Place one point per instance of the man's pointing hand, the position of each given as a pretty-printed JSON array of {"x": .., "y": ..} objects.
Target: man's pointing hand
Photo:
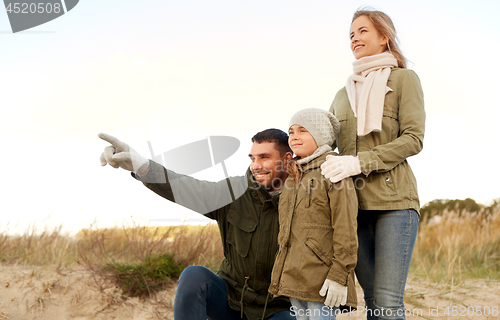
[{"x": 120, "y": 155}]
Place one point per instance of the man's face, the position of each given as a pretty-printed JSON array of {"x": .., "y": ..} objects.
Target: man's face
[{"x": 268, "y": 167}]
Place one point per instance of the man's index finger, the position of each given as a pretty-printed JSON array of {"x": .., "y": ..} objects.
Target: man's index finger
[{"x": 106, "y": 137}]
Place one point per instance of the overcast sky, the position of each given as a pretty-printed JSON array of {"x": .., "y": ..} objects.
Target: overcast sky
[{"x": 174, "y": 72}]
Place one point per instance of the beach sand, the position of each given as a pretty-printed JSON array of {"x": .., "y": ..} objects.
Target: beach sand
[{"x": 45, "y": 293}]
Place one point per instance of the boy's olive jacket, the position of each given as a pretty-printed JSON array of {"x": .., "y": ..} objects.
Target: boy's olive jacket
[
  {"x": 386, "y": 181},
  {"x": 318, "y": 235},
  {"x": 248, "y": 228}
]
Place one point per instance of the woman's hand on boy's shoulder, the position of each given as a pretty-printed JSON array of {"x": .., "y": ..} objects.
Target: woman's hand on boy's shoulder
[{"x": 339, "y": 167}]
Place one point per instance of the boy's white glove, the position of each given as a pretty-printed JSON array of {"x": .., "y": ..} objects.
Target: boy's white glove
[
  {"x": 120, "y": 155},
  {"x": 337, "y": 168},
  {"x": 337, "y": 293}
]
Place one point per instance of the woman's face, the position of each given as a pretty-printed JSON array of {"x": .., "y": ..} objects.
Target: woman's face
[
  {"x": 365, "y": 38},
  {"x": 301, "y": 141}
]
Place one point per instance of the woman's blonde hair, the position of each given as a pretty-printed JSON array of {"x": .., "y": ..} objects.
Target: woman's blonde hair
[{"x": 385, "y": 27}]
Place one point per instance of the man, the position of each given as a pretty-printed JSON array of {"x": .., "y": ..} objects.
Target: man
[{"x": 248, "y": 225}]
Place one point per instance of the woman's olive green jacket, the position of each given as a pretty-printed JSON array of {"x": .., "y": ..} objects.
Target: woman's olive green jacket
[
  {"x": 317, "y": 238},
  {"x": 387, "y": 181}
]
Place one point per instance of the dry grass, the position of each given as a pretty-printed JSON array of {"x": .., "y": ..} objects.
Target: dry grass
[
  {"x": 130, "y": 249},
  {"x": 461, "y": 245},
  {"x": 187, "y": 244},
  {"x": 100, "y": 251},
  {"x": 49, "y": 247}
]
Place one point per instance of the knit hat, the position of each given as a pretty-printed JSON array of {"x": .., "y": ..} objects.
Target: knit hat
[{"x": 321, "y": 124}]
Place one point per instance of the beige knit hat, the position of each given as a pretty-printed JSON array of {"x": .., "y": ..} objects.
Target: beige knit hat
[{"x": 321, "y": 124}]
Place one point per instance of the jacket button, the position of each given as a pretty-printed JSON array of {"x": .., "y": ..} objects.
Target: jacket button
[{"x": 287, "y": 245}]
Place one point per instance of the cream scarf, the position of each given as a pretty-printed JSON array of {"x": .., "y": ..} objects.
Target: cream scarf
[
  {"x": 318, "y": 152},
  {"x": 366, "y": 89}
]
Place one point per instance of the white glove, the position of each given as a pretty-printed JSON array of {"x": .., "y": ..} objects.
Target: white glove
[
  {"x": 337, "y": 168},
  {"x": 337, "y": 293},
  {"x": 120, "y": 155}
]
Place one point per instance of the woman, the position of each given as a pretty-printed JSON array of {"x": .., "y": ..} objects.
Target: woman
[{"x": 382, "y": 118}]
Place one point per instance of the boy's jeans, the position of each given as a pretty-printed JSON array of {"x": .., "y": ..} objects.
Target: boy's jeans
[
  {"x": 305, "y": 310},
  {"x": 386, "y": 241},
  {"x": 201, "y": 295}
]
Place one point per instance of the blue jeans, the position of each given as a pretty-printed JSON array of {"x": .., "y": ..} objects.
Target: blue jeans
[
  {"x": 305, "y": 310},
  {"x": 386, "y": 241},
  {"x": 202, "y": 295}
]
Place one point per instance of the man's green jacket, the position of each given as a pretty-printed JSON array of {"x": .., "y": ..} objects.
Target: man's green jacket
[{"x": 247, "y": 216}]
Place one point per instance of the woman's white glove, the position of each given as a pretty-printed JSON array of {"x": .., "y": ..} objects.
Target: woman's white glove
[
  {"x": 120, "y": 155},
  {"x": 337, "y": 293},
  {"x": 337, "y": 168}
]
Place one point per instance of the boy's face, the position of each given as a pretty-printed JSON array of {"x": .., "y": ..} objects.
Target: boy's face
[
  {"x": 301, "y": 141},
  {"x": 268, "y": 167}
]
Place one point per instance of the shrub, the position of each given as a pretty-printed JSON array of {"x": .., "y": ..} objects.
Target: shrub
[
  {"x": 136, "y": 258},
  {"x": 440, "y": 206},
  {"x": 144, "y": 278}
]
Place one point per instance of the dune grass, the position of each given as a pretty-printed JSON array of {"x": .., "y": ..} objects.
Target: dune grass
[
  {"x": 459, "y": 245},
  {"x": 142, "y": 260},
  {"x": 138, "y": 259},
  {"x": 49, "y": 247},
  {"x": 188, "y": 244},
  {"x": 462, "y": 245}
]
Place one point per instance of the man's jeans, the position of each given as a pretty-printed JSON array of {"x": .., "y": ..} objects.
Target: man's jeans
[
  {"x": 201, "y": 295},
  {"x": 307, "y": 310},
  {"x": 386, "y": 241}
]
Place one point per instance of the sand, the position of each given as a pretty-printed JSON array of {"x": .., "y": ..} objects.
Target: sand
[
  {"x": 470, "y": 299},
  {"x": 44, "y": 293},
  {"x": 29, "y": 293}
]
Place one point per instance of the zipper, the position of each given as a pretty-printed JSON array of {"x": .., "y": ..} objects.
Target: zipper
[{"x": 309, "y": 193}]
